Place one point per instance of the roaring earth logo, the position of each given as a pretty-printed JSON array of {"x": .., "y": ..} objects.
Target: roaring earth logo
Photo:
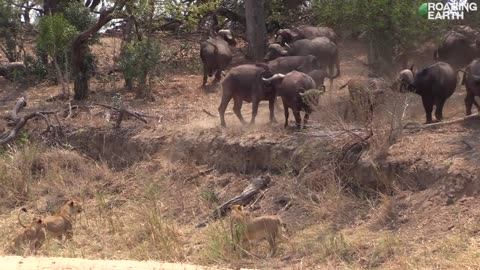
[{"x": 447, "y": 10}]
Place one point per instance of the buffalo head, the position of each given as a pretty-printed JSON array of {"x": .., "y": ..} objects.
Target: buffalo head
[
  {"x": 405, "y": 80},
  {"x": 285, "y": 36},
  {"x": 274, "y": 51},
  {"x": 275, "y": 78},
  {"x": 311, "y": 97},
  {"x": 227, "y": 36}
]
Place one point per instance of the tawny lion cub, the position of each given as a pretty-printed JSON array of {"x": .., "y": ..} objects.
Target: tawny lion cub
[
  {"x": 247, "y": 229},
  {"x": 32, "y": 235},
  {"x": 61, "y": 223}
]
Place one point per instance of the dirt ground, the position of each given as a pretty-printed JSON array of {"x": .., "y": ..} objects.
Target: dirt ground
[{"x": 146, "y": 186}]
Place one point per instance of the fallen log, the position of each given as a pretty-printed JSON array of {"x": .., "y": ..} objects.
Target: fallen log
[
  {"x": 258, "y": 184},
  {"x": 417, "y": 126}
]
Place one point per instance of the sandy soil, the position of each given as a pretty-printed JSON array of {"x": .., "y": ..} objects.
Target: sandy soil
[{"x": 57, "y": 263}]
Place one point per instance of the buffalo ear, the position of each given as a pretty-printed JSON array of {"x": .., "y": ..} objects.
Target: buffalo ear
[{"x": 411, "y": 68}]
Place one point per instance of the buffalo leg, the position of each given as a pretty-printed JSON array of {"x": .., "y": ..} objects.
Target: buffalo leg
[
  {"x": 205, "y": 76},
  {"x": 305, "y": 119},
  {"x": 255, "y": 102},
  {"x": 271, "y": 107},
  {"x": 223, "y": 107},
  {"x": 439, "y": 109},
  {"x": 298, "y": 119},
  {"x": 285, "y": 110},
  {"x": 237, "y": 109},
  {"x": 218, "y": 76},
  {"x": 469, "y": 100},
  {"x": 428, "y": 106},
  {"x": 331, "y": 69}
]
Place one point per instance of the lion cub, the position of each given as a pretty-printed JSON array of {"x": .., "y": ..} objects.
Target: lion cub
[
  {"x": 32, "y": 235},
  {"x": 61, "y": 223},
  {"x": 245, "y": 228}
]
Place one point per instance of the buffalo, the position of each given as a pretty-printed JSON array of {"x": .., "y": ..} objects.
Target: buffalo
[
  {"x": 459, "y": 47},
  {"x": 244, "y": 83},
  {"x": 216, "y": 55},
  {"x": 434, "y": 83},
  {"x": 319, "y": 75},
  {"x": 471, "y": 80},
  {"x": 322, "y": 48},
  {"x": 298, "y": 93},
  {"x": 285, "y": 36},
  {"x": 290, "y": 63}
]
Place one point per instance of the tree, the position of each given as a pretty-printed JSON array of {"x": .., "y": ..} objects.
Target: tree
[
  {"x": 391, "y": 27},
  {"x": 256, "y": 29},
  {"x": 55, "y": 34},
  {"x": 80, "y": 68},
  {"x": 11, "y": 40}
]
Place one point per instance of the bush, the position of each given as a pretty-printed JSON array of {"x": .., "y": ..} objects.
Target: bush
[{"x": 139, "y": 59}]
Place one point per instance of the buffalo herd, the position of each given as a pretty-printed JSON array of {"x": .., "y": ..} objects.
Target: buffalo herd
[{"x": 301, "y": 58}]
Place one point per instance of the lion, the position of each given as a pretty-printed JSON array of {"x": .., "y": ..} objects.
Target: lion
[
  {"x": 246, "y": 229},
  {"x": 32, "y": 235},
  {"x": 61, "y": 223}
]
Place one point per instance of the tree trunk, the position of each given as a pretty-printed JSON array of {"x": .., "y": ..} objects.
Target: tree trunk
[
  {"x": 80, "y": 48},
  {"x": 61, "y": 79},
  {"x": 256, "y": 29},
  {"x": 50, "y": 6},
  {"x": 380, "y": 55}
]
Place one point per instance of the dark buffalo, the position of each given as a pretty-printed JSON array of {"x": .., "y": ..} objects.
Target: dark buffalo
[
  {"x": 298, "y": 93},
  {"x": 435, "y": 84},
  {"x": 290, "y": 63},
  {"x": 244, "y": 83},
  {"x": 471, "y": 80},
  {"x": 319, "y": 75},
  {"x": 285, "y": 36},
  {"x": 216, "y": 55},
  {"x": 459, "y": 47},
  {"x": 322, "y": 48}
]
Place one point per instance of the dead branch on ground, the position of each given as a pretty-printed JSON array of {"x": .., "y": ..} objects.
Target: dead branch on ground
[
  {"x": 417, "y": 127},
  {"x": 20, "y": 122},
  {"x": 122, "y": 111},
  {"x": 201, "y": 173},
  {"x": 258, "y": 184},
  {"x": 211, "y": 114},
  {"x": 13, "y": 117}
]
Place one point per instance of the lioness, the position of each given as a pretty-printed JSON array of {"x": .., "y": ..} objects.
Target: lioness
[
  {"x": 245, "y": 228},
  {"x": 32, "y": 235},
  {"x": 61, "y": 223}
]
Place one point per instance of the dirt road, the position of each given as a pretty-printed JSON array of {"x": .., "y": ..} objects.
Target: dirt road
[{"x": 58, "y": 263}]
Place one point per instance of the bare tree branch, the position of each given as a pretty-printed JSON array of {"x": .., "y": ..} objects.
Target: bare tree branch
[
  {"x": 21, "y": 123},
  {"x": 21, "y": 103}
]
